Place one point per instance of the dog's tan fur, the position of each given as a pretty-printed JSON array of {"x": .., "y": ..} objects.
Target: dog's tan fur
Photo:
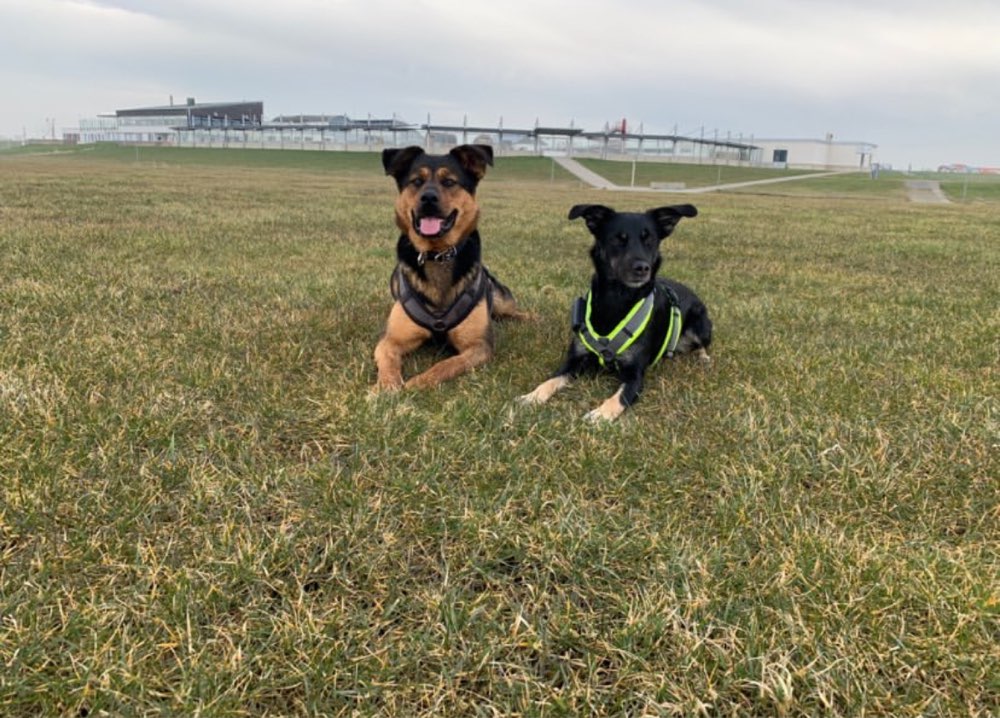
[{"x": 472, "y": 338}]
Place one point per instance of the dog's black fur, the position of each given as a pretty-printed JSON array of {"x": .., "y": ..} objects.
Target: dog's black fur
[{"x": 626, "y": 257}]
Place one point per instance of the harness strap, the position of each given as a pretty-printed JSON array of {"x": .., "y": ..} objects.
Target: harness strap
[
  {"x": 673, "y": 335},
  {"x": 608, "y": 347},
  {"x": 441, "y": 322},
  {"x": 622, "y": 336}
]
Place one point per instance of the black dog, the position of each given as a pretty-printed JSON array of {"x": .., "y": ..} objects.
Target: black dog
[{"x": 630, "y": 319}]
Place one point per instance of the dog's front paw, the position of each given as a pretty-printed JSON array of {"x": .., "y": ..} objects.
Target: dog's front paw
[
  {"x": 544, "y": 391},
  {"x": 600, "y": 415},
  {"x": 610, "y": 410},
  {"x": 532, "y": 399},
  {"x": 386, "y": 385}
]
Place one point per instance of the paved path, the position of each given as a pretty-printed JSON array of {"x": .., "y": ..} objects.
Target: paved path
[
  {"x": 772, "y": 180},
  {"x": 926, "y": 192},
  {"x": 591, "y": 178},
  {"x": 595, "y": 180},
  {"x": 920, "y": 191}
]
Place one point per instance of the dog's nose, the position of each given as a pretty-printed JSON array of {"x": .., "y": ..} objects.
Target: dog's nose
[
  {"x": 641, "y": 268},
  {"x": 429, "y": 197}
]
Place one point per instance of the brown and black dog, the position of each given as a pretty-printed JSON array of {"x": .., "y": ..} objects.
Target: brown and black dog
[{"x": 442, "y": 290}]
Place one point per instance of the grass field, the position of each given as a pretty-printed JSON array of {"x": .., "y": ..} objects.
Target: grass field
[
  {"x": 970, "y": 188},
  {"x": 203, "y": 512},
  {"x": 691, "y": 175}
]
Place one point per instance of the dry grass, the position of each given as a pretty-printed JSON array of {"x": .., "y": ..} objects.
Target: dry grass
[{"x": 202, "y": 512}]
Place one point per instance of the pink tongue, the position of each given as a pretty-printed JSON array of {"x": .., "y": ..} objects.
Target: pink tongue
[{"x": 430, "y": 226}]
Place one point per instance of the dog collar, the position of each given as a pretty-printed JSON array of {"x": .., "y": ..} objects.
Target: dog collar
[
  {"x": 609, "y": 347},
  {"x": 445, "y": 256}
]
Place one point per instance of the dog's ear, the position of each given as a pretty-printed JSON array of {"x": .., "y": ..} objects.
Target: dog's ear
[
  {"x": 397, "y": 162},
  {"x": 666, "y": 218},
  {"x": 474, "y": 158},
  {"x": 593, "y": 214}
]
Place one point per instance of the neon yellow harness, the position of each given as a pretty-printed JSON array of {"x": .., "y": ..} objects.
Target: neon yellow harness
[{"x": 608, "y": 348}]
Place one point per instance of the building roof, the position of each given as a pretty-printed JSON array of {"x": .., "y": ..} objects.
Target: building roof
[
  {"x": 476, "y": 130},
  {"x": 671, "y": 138},
  {"x": 817, "y": 141},
  {"x": 338, "y": 122},
  {"x": 198, "y": 109}
]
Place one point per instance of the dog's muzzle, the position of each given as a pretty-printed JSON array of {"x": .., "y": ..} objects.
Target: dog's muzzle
[
  {"x": 639, "y": 273},
  {"x": 432, "y": 226}
]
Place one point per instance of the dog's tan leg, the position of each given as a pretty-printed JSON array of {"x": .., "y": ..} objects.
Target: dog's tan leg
[
  {"x": 610, "y": 410},
  {"x": 505, "y": 307},
  {"x": 449, "y": 368},
  {"x": 504, "y": 304},
  {"x": 401, "y": 337},
  {"x": 473, "y": 339},
  {"x": 544, "y": 391}
]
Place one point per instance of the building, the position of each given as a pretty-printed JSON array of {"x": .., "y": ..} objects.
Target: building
[
  {"x": 161, "y": 125},
  {"x": 241, "y": 124},
  {"x": 611, "y": 143},
  {"x": 825, "y": 154},
  {"x": 321, "y": 132}
]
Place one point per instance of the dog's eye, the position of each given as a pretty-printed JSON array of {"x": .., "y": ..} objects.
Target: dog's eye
[
  {"x": 644, "y": 235},
  {"x": 448, "y": 182},
  {"x": 417, "y": 181},
  {"x": 622, "y": 239}
]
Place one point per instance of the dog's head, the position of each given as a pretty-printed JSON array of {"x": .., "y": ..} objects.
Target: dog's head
[
  {"x": 436, "y": 206},
  {"x": 627, "y": 244}
]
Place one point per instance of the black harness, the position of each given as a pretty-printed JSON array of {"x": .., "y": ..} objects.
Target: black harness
[{"x": 440, "y": 323}]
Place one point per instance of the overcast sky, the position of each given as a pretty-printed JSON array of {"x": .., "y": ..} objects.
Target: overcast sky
[{"x": 919, "y": 78}]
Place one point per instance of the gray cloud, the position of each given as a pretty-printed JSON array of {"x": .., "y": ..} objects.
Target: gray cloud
[{"x": 914, "y": 77}]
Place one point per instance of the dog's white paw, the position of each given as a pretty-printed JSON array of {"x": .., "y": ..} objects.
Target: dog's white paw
[
  {"x": 544, "y": 391},
  {"x": 610, "y": 410},
  {"x": 599, "y": 416}
]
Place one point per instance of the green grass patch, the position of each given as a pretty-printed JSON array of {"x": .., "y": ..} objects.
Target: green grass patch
[
  {"x": 342, "y": 164},
  {"x": 970, "y": 187},
  {"x": 202, "y": 511},
  {"x": 12, "y": 148},
  {"x": 856, "y": 185},
  {"x": 620, "y": 172}
]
